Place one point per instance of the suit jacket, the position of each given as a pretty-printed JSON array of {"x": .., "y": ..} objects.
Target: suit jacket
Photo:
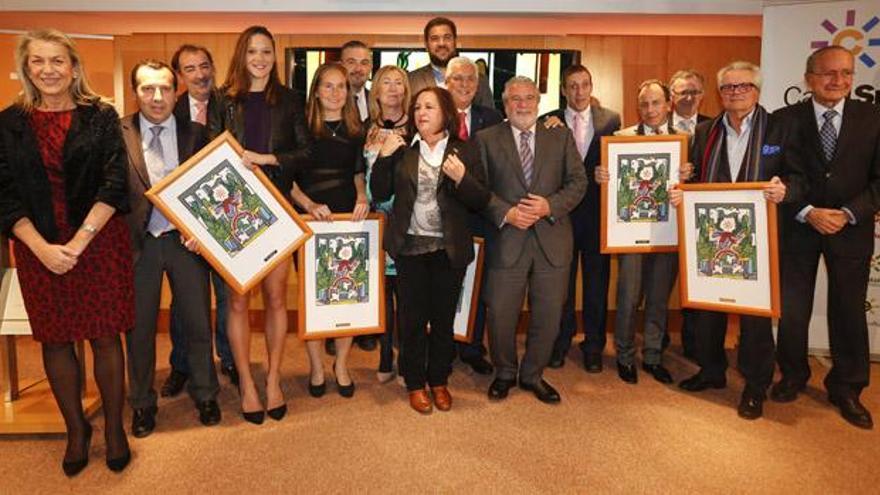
[
  {"x": 851, "y": 179},
  {"x": 191, "y": 137},
  {"x": 289, "y": 138},
  {"x": 398, "y": 175},
  {"x": 424, "y": 78},
  {"x": 558, "y": 175},
  {"x": 213, "y": 120},
  {"x": 93, "y": 162},
  {"x": 585, "y": 216},
  {"x": 781, "y": 156},
  {"x": 481, "y": 118}
]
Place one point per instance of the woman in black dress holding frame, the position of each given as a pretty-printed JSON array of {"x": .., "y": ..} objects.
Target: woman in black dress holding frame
[{"x": 332, "y": 181}]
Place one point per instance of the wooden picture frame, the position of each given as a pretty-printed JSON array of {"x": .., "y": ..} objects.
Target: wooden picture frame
[
  {"x": 469, "y": 298},
  {"x": 728, "y": 249},
  {"x": 345, "y": 308},
  {"x": 244, "y": 234},
  {"x": 647, "y": 223}
]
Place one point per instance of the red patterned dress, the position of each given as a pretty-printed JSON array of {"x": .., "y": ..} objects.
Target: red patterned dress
[{"x": 96, "y": 298}]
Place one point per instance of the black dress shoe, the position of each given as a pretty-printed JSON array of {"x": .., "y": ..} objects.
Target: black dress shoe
[
  {"x": 543, "y": 391},
  {"x": 255, "y": 417},
  {"x": 317, "y": 390},
  {"x": 698, "y": 383},
  {"x": 786, "y": 390},
  {"x": 750, "y": 407},
  {"x": 852, "y": 410},
  {"x": 277, "y": 413},
  {"x": 593, "y": 362},
  {"x": 346, "y": 391},
  {"x": 557, "y": 360},
  {"x": 209, "y": 412},
  {"x": 499, "y": 388},
  {"x": 231, "y": 372},
  {"x": 173, "y": 384},
  {"x": 659, "y": 372},
  {"x": 366, "y": 342},
  {"x": 627, "y": 372},
  {"x": 143, "y": 421},
  {"x": 479, "y": 365},
  {"x": 73, "y": 468},
  {"x": 330, "y": 346},
  {"x": 117, "y": 464}
]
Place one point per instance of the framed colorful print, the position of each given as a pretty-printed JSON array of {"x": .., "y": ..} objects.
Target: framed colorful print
[
  {"x": 341, "y": 274},
  {"x": 468, "y": 299},
  {"x": 635, "y": 211},
  {"x": 728, "y": 250},
  {"x": 245, "y": 227}
]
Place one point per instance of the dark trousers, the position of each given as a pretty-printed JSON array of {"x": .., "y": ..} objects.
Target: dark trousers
[
  {"x": 595, "y": 274},
  {"x": 177, "y": 358},
  {"x": 188, "y": 277},
  {"x": 386, "y": 340},
  {"x": 847, "y": 320},
  {"x": 428, "y": 291},
  {"x": 755, "y": 354},
  {"x": 688, "y": 332}
]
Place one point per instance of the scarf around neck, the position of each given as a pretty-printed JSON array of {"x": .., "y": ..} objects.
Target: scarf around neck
[{"x": 752, "y": 158}]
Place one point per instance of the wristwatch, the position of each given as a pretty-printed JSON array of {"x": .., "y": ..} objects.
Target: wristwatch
[{"x": 91, "y": 229}]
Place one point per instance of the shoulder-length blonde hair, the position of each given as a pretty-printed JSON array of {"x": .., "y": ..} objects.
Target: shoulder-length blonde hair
[
  {"x": 315, "y": 112},
  {"x": 80, "y": 90},
  {"x": 376, "y": 89},
  {"x": 238, "y": 79}
]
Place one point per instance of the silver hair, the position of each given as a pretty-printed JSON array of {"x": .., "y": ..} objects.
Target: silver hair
[
  {"x": 757, "y": 79},
  {"x": 518, "y": 80},
  {"x": 456, "y": 62}
]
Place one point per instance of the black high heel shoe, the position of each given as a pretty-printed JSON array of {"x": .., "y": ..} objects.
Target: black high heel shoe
[
  {"x": 73, "y": 468},
  {"x": 277, "y": 413},
  {"x": 255, "y": 417},
  {"x": 317, "y": 390},
  {"x": 117, "y": 464},
  {"x": 346, "y": 391}
]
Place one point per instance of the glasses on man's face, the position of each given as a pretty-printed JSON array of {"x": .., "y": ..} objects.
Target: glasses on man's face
[
  {"x": 524, "y": 99},
  {"x": 739, "y": 88},
  {"x": 688, "y": 93},
  {"x": 834, "y": 74}
]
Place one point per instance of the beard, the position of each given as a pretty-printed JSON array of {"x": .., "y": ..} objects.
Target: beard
[{"x": 442, "y": 63}]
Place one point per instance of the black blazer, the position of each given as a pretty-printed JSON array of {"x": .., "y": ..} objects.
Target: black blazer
[
  {"x": 191, "y": 137},
  {"x": 213, "y": 121},
  {"x": 851, "y": 179},
  {"x": 481, "y": 118},
  {"x": 289, "y": 139},
  {"x": 585, "y": 217},
  {"x": 398, "y": 175},
  {"x": 94, "y": 169}
]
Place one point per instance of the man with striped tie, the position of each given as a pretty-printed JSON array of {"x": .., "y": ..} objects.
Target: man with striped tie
[
  {"x": 536, "y": 178},
  {"x": 835, "y": 220}
]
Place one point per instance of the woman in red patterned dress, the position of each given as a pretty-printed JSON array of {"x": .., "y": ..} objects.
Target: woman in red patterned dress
[{"x": 63, "y": 176}]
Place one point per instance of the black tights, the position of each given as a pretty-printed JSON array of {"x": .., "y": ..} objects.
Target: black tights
[{"x": 63, "y": 371}]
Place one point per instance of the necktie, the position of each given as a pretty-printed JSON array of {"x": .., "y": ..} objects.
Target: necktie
[
  {"x": 828, "y": 135},
  {"x": 580, "y": 135},
  {"x": 685, "y": 126},
  {"x": 526, "y": 156},
  {"x": 201, "y": 113},
  {"x": 462, "y": 126},
  {"x": 157, "y": 169}
]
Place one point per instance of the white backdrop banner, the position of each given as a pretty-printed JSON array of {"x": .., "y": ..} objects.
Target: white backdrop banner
[{"x": 790, "y": 34}]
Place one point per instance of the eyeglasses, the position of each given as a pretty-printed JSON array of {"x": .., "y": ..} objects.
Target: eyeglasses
[
  {"x": 833, "y": 74},
  {"x": 688, "y": 93},
  {"x": 524, "y": 99},
  {"x": 739, "y": 88}
]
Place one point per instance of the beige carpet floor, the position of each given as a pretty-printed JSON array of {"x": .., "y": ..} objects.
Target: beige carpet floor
[{"x": 605, "y": 437}]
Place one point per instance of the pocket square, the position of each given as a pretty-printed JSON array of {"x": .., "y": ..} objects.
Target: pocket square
[{"x": 770, "y": 150}]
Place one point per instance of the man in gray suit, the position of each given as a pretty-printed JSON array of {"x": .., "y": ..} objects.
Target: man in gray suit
[
  {"x": 650, "y": 274},
  {"x": 157, "y": 141},
  {"x": 441, "y": 41},
  {"x": 536, "y": 178}
]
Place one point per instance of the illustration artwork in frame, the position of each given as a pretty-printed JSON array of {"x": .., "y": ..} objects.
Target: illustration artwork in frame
[
  {"x": 469, "y": 297},
  {"x": 341, "y": 273},
  {"x": 244, "y": 225},
  {"x": 635, "y": 212},
  {"x": 728, "y": 256}
]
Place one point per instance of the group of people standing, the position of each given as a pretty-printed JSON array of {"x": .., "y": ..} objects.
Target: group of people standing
[{"x": 430, "y": 151}]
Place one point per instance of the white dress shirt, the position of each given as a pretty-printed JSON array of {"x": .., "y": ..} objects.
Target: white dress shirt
[
  {"x": 590, "y": 129},
  {"x": 737, "y": 144}
]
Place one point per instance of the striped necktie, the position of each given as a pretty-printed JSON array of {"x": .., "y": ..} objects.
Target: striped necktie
[
  {"x": 526, "y": 156},
  {"x": 828, "y": 135}
]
